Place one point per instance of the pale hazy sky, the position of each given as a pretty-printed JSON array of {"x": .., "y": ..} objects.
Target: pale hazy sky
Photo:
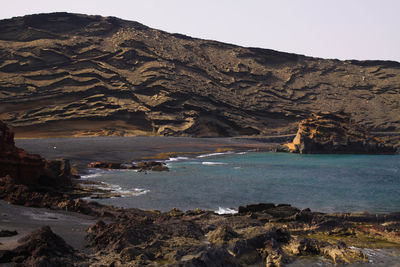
[{"x": 344, "y": 29}]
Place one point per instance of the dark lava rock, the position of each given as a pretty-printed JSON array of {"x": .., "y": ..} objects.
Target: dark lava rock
[
  {"x": 42, "y": 248},
  {"x": 7, "y": 233},
  {"x": 105, "y": 165},
  {"x": 151, "y": 165},
  {"x": 140, "y": 166},
  {"x": 6, "y": 256},
  {"x": 256, "y": 207},
  {"x": 212, "y": 257},
  {"x": 222, "y": 234},
  {"x": 335, "y": 133}
]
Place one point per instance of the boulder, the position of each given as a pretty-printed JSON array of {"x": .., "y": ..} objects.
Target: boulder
[
  {"x": 222, "y": 234},
  {"x": 42, "y": 248},
  {"x": 325, "y": 133}
]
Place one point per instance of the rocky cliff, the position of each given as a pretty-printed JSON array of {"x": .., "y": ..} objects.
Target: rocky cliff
[
  {"x": 66, "y": 74},
  {"x": 335, "y": 133},
  {"x": 29, "y": 169}
]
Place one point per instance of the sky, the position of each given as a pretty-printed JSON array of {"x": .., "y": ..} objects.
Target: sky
[{"x": 343, "y": 29}]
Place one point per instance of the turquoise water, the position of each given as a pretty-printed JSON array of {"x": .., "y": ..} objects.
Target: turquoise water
[{"x": 327, "y": 183}]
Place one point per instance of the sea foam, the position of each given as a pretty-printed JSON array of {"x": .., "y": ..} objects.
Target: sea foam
[
  {"x": 177, "y": 159},
  {"x": 225, "y": 211},
  {"x": 213, "y": 163},
  {"x": 215, "y": 154}
]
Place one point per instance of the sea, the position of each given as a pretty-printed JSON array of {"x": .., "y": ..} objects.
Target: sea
[{"x": 223, "y": 181}]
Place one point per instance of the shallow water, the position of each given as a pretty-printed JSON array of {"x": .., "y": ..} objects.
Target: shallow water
[
  {"x": 376, "y": 258},
  {"x": 327, "y": 183}
]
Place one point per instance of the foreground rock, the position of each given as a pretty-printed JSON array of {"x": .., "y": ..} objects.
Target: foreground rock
[
  {"x": 334, "y": 133},
  {"x": 267, "y": 234}
]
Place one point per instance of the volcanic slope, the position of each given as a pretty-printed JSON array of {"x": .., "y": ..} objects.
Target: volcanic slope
[{"x": 67, "y": 74}]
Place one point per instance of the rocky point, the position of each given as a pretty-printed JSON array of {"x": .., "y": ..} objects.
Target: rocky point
[
  {"x": 336, "y": 133},
  {"x": 29, "y": 169}
]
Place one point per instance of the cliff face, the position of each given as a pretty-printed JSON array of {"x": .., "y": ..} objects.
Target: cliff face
[
  {"x": 334, "y": 133},
  {"x": 29, "y": 169},
  {"x": 22, "y": 167},
  {"x": 67, "y": 74}
]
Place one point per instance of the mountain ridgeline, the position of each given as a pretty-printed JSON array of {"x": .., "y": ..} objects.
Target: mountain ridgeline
[{"x": 67, "y": 74}]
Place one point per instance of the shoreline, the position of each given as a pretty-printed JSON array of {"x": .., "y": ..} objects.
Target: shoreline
[
  {"x": 80, "y": 152},
  {"x": 264, "y": 233},
  {"x": 252, "y": 222}
]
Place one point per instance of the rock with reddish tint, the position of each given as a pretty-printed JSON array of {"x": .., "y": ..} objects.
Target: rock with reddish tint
[
  {"x": 25, "y": 168},
  {"x": 29, "y": 169}
]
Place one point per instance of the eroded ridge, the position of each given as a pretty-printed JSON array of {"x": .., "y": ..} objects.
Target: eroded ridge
[{"x": 69, "y": 74}]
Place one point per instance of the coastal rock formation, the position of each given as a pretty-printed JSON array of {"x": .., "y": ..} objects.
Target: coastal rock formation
[
  {"x": 105, "y": 165},
  {"x": 334, "y": 133},
  {"x": 140, "y": 166},
  {"x": 29, "y": 169},
  {"x": 23, "y": 167},
  {"x": 73, "y": 75}
]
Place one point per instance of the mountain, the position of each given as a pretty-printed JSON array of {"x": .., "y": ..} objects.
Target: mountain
[{"x": 67, "y": 74}]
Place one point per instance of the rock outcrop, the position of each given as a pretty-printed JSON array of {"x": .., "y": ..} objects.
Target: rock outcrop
[
  {"x": 334, "y": 133},
  {"x": 42, "y": 248},
  {"x": 29, "y": 169},
  {"x": 140, "y": 166},
  {"x": 73, "y": 75},
  {"x": 25, "y": 168},
  {"x": 268, "y": 234}
]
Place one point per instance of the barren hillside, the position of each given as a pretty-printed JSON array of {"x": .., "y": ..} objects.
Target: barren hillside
[{"x": 71, "y": 75}]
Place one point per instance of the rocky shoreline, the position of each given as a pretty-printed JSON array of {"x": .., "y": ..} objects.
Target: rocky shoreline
[
  {"x": 260, "y": 234},
  {"x": 265, "y": 234}
]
